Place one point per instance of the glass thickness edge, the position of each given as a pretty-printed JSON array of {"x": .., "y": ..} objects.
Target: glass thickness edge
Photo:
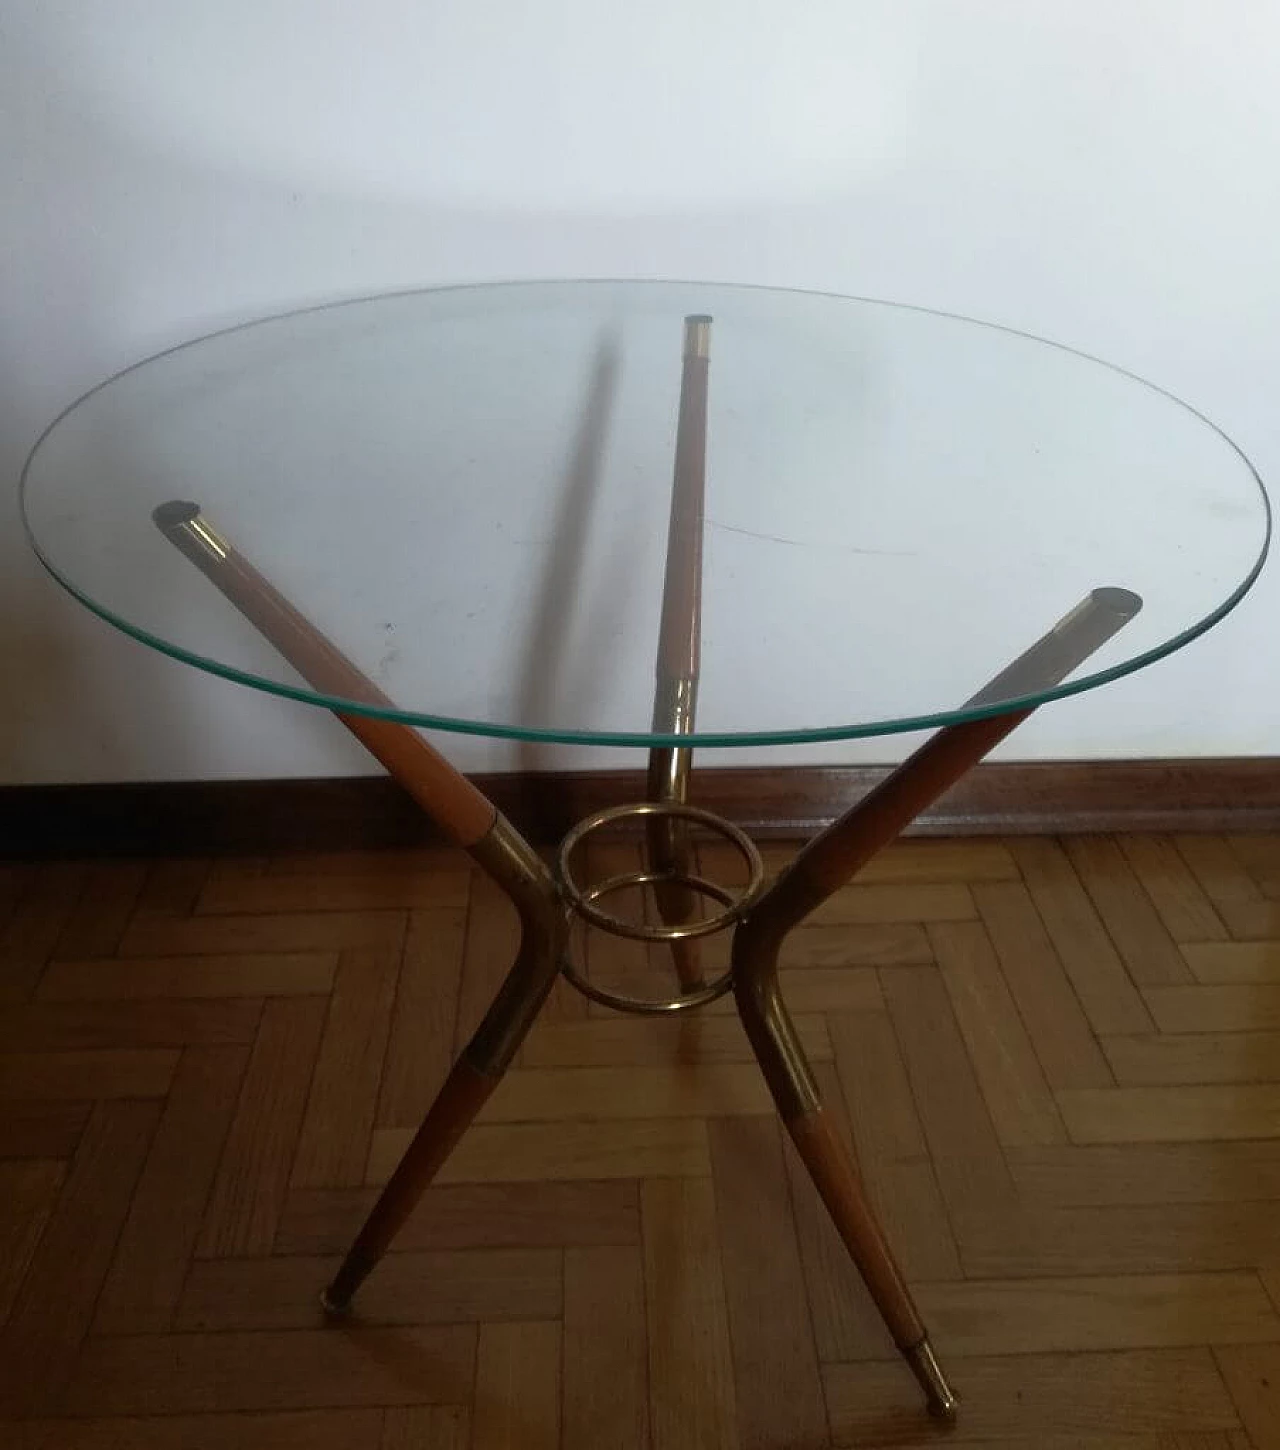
[{"x": 644, "y": 739}]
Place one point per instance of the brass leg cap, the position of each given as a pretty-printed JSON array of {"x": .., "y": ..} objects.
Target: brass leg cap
[
  {"x": 939, "y": 1396},
  {"x": 332, "y": 1307}
]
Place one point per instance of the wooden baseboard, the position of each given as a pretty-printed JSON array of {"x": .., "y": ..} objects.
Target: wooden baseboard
[{"x": 228, "y": 817}]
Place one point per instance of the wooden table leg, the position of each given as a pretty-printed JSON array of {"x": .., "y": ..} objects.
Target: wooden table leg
[
  {"x": 517, "y": 868},
  {"x": 822, "y": 867},
  {"x": 465, "y": 816},
  {"x": 670, "y": 852},
  {"x": 679, "y": 650}
]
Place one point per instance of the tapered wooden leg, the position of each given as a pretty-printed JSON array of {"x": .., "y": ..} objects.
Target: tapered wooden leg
[
  {"x": 464, "y": 814},
  {"x": 518, "y": 869},
  {"x": 679, "y": 648},
  {"x": 826, "y": 864},
  {"x": 782, "y": 1060}
]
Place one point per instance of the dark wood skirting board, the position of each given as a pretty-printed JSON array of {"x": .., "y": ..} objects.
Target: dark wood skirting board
[{"x": 227, "y": 817}]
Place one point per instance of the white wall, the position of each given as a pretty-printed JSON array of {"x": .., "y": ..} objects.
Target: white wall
[{"x": 1102, "y": 173}]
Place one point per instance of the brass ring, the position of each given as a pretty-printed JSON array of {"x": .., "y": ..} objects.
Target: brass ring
[
  {"x": 582, "y": 901},
  {"x": 620, "y": 1001}
]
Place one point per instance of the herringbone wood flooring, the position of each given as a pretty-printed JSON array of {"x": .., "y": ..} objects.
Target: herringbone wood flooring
[{"x": 1059, "y": 1062}]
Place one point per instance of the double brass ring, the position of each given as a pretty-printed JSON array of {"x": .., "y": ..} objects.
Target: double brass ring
[{"x": 583, "y": 899}]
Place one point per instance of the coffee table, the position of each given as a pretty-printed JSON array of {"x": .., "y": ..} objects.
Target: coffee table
[{"x": 653, "y": 515}]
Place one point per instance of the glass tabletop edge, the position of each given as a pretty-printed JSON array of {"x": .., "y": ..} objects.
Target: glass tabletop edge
[{"x": 645, "y": 740}]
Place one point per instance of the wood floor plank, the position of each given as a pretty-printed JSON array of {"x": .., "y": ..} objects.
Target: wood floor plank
[
  {"x": 1252, "y": 1373},
  {"x": 940, "y": 860},
  {"x": 821, "y": 989},
  {"x": 426, "y": 1427},
  {"x": 1072, "y": 1315},
  {"x": 1018, "y": 1097},
  {"x": 1148, "y": 1173},
  {"x": 890, "y": 1148},
  {"x": 851, "y": 905},
  {"x": 967, "y": 1158},
  {"x": 98, "y": 920},
  {"x": 154, "y": 1374},
  {"x": 28, "y": 1190},
  {"x": 688, "y": 1037},
  {"x": 35, "y": 924},
  {"x": 334, "y": 1143},
  {"x": 520, "y": 1152},
  {"x": 1172, "y": 1114},
  {"x": 1257, "y": 851},
  {"x": 605, "y": 1350},
  {"x": 443, "y": 1287},
  {"x": 1064, "y": 1042},
  {"x": 876, "y": 944},
  {"x": 253, "y": 1175},
  {"x": 56, "y": 1300},
  {"x": 1240, "y": 961},
  {"x": 1233, "y": 894},
  {"x": 230, "y": 888},
  {"x": 1184, "y": 907},
  {"x": 172, "y": 887},
  {"x": 1160, "y": 1238},
  {"x": 287, "y": 1430},
  {"x": 77, "y": 1026},
  {"x": 1109, "y": 998},
  {"x": 520, "y": 1215},
  {"x": 1257, "y": 920},
  {"x": 106, "y": 1072},
  {"x": 775, "y": 1360},
  {"x": 42, "y": 1130},
  {"x": 1200, "y": 1057},
  {"x": 168, "y": 1205},
  {"x": 1234, "y": 1008},
  {"x": 1270, "y": 1278},
  {"x": 259, "y": 934},
  {"x": 679, "y": 1090},
  {"x": 15, "y": 879},
  {"x": 424, "y": 1016},
  {"x": 1253, "y": 921},
  {"x": 517, "y": 1392},
  {"x": 691, "y": 1386},
  {"x": 424, "y": 860},
  {"x": 282, "y": 974},
  {"x": 915, "y": 860},
  {"x": 1018, "y": 1398},
  {"x": 1144, "y": 943}
]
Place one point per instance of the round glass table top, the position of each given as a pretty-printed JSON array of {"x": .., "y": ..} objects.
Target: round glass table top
[{"x": 841, "y": 517}]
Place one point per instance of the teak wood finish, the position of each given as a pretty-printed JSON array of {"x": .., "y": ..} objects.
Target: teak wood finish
[{"x": 821, "y": 868}]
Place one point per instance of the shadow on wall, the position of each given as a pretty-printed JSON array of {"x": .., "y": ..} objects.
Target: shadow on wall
[{"x": 551, "y": 668}]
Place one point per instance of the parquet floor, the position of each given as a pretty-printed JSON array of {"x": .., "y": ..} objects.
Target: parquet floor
[{"x": 1059, "y": 1062}]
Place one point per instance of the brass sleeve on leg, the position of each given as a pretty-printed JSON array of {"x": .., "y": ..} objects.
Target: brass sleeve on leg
[{"x": 508, "y": 859}]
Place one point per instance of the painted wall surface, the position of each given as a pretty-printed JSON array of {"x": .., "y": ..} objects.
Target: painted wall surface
[{"x": 1102, "y": 174}]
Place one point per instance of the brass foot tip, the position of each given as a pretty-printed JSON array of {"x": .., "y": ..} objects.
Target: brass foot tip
[
  {"x": 334, "y": 1308},
  {"x": 939, "y": 1396}
]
